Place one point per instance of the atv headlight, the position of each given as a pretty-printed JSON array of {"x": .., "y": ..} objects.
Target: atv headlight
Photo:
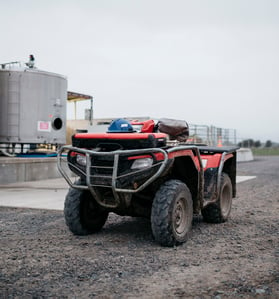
[
  {"x": 142, "y": 163},
  {"x": 81, "y": 160},
  {"x": 204, "y": 162}
]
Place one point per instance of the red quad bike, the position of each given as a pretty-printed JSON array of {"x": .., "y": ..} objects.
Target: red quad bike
[{"x": 148, "y": 170}]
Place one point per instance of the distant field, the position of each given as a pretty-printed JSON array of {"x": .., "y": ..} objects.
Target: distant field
[{"x": 265, "y": 151}]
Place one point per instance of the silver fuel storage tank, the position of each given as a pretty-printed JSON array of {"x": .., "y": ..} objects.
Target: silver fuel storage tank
[{"x": 32, "y": 107}]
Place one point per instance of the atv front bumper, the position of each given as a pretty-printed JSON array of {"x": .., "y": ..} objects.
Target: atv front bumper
[{"x": 116, "y": 170}]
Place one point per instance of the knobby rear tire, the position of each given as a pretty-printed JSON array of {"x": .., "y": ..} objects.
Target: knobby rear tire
[{"x": 219, "y": 211}]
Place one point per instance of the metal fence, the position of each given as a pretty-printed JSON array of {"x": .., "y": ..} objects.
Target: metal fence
[{"x": 212, "y": 135}]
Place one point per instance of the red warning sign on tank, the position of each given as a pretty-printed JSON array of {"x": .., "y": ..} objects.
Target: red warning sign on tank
[{"x": 44, "y": 126}]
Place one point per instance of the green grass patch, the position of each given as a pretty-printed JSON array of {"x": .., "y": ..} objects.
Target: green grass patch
[{"x": 266, "y": 151}]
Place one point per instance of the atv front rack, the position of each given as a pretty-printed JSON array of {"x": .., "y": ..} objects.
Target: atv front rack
[{"x": 113, "y": 177}]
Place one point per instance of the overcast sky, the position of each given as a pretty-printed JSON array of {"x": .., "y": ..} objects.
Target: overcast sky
[{"x": 209, "y": 62}]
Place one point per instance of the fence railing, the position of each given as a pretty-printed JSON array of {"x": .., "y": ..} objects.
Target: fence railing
[{"x": 211, "y": 135}]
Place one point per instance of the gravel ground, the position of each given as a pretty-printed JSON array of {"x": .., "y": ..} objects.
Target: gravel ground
[{"x": 40, "y": 258}]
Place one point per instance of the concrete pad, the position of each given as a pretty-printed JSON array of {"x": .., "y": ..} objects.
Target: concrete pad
[
  {"x": 33, "y": 198},
  {"x": 58, "y": 183},
  {"x": 244, "y": 178},
  {"x": 46, "y": 194}
]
